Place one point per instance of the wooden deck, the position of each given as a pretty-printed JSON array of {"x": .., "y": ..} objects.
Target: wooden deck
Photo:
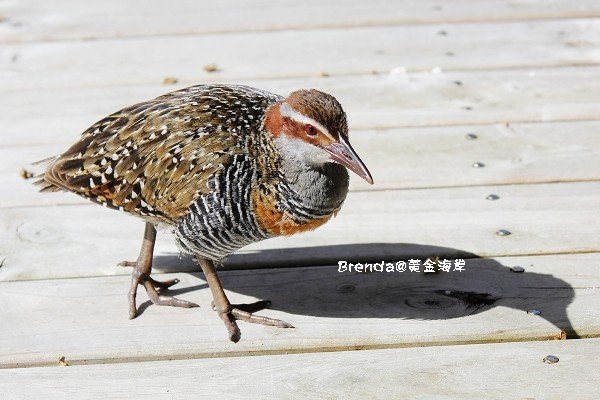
[{"x": 415, "y": 77}]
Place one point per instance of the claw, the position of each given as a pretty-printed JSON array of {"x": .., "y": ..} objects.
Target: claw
[
  {"x": 228, "y": 312},
  {"x": 141, "y": 276},
  {"x": 236, "y": 313},
  {"x": 232, "y": 328},
  {"x": 151, "y": 285}
]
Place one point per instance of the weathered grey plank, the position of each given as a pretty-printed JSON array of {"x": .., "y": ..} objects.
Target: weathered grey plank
[
  {"x": 404, "y": 158},
  {"x": 384, "y": 49},
  {"x": 490, "y": 371},
  {"x": 83, "y": 240},
  {"x": 57, "y": 20},
  {"x": 383, "y": 101},
  {"x": 85, "y": 319}
]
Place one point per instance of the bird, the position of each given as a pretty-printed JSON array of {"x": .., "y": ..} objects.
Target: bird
[{"x": 219, "y": 165}]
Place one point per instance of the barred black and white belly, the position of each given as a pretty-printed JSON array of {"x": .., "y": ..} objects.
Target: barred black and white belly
[{"x": 222, "y": 221}]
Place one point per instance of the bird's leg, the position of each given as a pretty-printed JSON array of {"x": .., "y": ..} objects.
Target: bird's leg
[
  {"x": 141, "y": 276},
  {"x": 228, "y": 312}
]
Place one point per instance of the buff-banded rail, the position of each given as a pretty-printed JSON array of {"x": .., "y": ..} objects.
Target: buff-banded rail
[{"x": 221, "y": 166}]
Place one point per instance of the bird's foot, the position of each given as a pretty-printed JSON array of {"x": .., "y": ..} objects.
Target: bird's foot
[
  {"x": 244, "y": 312},
  {"x": 152, "y": 286}
]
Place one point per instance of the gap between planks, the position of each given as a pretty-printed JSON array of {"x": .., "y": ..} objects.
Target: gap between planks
[
  {"x": 379, "y": 129},
  {"x": 78, "y": 201},
  {"x": 543, "y": 218},
  {"x": 62, "y": 315},
  {"x": 388, "y": 24},
  {"x": 182, "y": 83},
  {"x": 536, "y": 46},
  {"x": 492, "y": 371},
  {"x": 392, "y": 101},
  {"x": 179, "y": 18},
  {"x": 411, "y": 159},
  {"x": 307, "y": 350}
]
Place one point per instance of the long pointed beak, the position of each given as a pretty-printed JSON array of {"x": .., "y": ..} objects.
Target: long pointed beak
[{"x": 342, "y": 153}]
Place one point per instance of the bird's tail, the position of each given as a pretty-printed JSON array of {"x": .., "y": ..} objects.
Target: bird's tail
[{"x": 40, "y": 179}]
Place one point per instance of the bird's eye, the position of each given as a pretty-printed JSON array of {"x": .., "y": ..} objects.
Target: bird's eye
[{"x": 310, "y": 130}]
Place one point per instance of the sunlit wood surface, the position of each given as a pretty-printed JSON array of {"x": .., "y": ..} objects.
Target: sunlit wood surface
[{"x": 431, "y": 88}]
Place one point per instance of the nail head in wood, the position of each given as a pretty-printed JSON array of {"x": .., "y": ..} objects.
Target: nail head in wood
[{"x": 550, "y": 359}]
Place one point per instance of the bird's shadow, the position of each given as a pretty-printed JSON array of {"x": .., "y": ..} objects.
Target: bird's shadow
[{"x": 326, "y": 292}]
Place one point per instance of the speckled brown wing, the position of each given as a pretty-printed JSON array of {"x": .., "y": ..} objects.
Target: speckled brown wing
[{"x": 151, "y": 159}]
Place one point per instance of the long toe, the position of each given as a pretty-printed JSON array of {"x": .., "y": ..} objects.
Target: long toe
[
  {"x": 239, "y": 312},
  {"x": 151, "y": 285},
  {"x": 173, "y": 302},
  {"x": 258, "y": 319},
  {"x": 162, "y": 300},
  {"x": 163, "y": 284}
]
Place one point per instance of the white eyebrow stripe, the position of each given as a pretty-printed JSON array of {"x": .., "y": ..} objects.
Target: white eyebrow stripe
[{"x": 287, "y": 111}]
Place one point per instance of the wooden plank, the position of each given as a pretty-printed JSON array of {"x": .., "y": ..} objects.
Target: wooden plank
[
  {"x": 404, "y": 158},
  {"x": 384, "y": 101},
  {"x": 490, "y": 371},
  {"x": 58, "y": 20},
  {"x": 357, "y": 51},
  {"x": 83, "y": 240},
  {"x": 85, "y": 319}
]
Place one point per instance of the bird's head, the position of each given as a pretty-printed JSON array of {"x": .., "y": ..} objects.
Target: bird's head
[{"x": 312, "y": 124}]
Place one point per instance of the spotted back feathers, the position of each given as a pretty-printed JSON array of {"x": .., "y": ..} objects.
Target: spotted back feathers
[{"x": 155, "y": 158}]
